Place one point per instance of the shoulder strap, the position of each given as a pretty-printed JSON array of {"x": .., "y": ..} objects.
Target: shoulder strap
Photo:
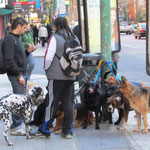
[{"x": 9, "y": 35}]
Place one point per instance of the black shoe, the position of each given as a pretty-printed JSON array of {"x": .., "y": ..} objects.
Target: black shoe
[{"x": 45, "y": 132}]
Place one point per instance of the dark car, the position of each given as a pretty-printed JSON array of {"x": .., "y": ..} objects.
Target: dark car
[{"x": 140, "y": 31}]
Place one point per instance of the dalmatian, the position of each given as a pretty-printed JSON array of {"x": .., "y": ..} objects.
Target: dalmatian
[{"x": 23, "y": 106}]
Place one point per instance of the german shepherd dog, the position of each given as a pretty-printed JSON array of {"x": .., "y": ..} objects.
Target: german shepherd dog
[{"x": 139, "y": 99}]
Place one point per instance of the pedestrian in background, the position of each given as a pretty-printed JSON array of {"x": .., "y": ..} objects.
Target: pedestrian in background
[
  {"x": 49, "y": 29},
  {"x": 35, "y": 34},
  {"x": 27, "y": 39},
  {"x": 43, "y": 34},
  {"x": 16, "y": 63},
  {"x": 61, "y": 86},
  {"x": 7, "y": 29}
]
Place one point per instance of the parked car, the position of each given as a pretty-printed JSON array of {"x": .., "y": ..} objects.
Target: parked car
[
  {"x": 140, "y": 30},
  {"x": 125, "y": 28}
]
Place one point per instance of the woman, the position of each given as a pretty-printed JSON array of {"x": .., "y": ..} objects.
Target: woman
[{"x": 62, "y": 85}]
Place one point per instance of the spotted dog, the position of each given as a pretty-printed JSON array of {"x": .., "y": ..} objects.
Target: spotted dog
[{"x": 21, "y": 105}]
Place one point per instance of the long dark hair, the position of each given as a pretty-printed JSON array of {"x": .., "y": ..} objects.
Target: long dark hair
[{"x": 62, "y": 24}]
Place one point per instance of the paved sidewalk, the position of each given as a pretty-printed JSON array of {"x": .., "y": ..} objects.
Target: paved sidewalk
[{"x": 107, "y": 138}]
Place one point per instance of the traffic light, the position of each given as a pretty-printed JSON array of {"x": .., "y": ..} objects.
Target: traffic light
[{"x": 67, "y": 2}]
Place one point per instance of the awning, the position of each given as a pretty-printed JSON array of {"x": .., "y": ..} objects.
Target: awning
[{"x": 5, "y": 11}]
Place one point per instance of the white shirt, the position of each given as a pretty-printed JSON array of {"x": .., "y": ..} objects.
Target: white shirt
[{"x": 43, "y": 32}]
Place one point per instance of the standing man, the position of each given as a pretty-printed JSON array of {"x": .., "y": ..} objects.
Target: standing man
[
  {"x": 27, "y": 40},
  {"x": 16, "y": 64},
  {"x": 43, "y": 35}
]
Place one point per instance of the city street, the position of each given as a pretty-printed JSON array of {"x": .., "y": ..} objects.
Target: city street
[{"x": 132, "y": 62}]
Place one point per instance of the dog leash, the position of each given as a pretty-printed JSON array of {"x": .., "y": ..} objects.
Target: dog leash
[
  {"x": 108, "y": 64},
  {"x": 98, "y": 70}
]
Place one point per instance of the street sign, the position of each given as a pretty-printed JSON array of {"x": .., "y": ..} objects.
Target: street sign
[
  {"x": 25, "y": 6},
  {"x": 61, "y": 15}
]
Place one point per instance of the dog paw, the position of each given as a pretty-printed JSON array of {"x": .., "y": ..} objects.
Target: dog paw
[
  {"x": 10, "y": 144},
  {"x": 116, "y": 123},
  {"x": 97, "y": 128},
  {"x": 84, "y": 127},
  {"x": 144, "y": 131},
  {"x": 136, "y": 130},
  {"x": 28, "y": 137},
  {"x": 121, "y": 128}
]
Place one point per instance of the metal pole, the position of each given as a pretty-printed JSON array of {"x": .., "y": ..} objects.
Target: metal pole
[
  {"x": 127, "y": 11},
  {"x": 105, "y": 35}
]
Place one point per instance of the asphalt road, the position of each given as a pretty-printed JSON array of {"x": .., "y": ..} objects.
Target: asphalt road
[{"x": 132, "y": 62}]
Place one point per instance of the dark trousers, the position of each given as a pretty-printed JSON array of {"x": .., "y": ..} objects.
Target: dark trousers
[
  {"x": 63, "y": 91},
  {"x": 43, "y": 41},
  {"x": 17, "y": 89}
]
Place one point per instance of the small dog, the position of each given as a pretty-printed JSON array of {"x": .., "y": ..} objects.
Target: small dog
[
  {"x": 79, "y": 116},
  {"x": 118, "y": 101},
  {"x": 139, "y": 99},
  {"x": 21, "y": 105}
]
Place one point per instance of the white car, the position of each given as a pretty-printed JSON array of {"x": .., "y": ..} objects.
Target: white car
[{"x": 125, "y": 28}]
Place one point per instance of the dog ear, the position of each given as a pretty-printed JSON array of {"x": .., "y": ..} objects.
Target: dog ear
[{"x": 123, "y": 80}]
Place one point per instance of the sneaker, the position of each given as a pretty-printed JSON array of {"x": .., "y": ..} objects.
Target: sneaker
[
  {"x": 66, "y": 136},
  {"x": 38, "y": 134},
  {"x": 18, "y": 132}
]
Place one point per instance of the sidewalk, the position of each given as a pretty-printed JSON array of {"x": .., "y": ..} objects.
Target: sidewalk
[{"x": 107, "y": 138}]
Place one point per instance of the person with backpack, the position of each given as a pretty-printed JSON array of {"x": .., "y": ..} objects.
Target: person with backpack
[
  {"x": 15, "y": 60},
  {"x": 61, "y": 86}
]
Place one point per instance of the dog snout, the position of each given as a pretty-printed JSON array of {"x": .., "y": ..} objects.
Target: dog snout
[
  {"x": 91, "y": 90},
  {"x": 110, "y": 108}
]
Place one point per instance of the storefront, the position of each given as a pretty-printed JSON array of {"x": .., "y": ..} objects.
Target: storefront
[{"x": 5, "y": 15}]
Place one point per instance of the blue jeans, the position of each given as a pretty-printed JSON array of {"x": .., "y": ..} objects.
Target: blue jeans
[
  {"x": 30, "y": 67},
  {"x": 17, "y": 89}
]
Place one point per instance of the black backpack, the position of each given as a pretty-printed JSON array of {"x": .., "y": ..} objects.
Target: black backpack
[
  {"x": 2, "y": 64},
  {"x": 2, "y": 59},
  {"x": 71, "y": 61}
]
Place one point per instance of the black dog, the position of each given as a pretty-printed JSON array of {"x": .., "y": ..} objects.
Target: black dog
[{"x": 93, "y": 99}]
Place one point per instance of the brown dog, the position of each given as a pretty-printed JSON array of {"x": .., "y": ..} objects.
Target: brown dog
[
  {"x": 118, "y": 101},
  {"x": 139, "y": 99},
  {"x": 112, "y": 80},
  {"x": 78, "y": 118}
]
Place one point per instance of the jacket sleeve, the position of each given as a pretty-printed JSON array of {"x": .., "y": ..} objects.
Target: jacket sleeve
[
  {"x": 8, "y": 49},
  {"x": 50, "y": 53}
]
